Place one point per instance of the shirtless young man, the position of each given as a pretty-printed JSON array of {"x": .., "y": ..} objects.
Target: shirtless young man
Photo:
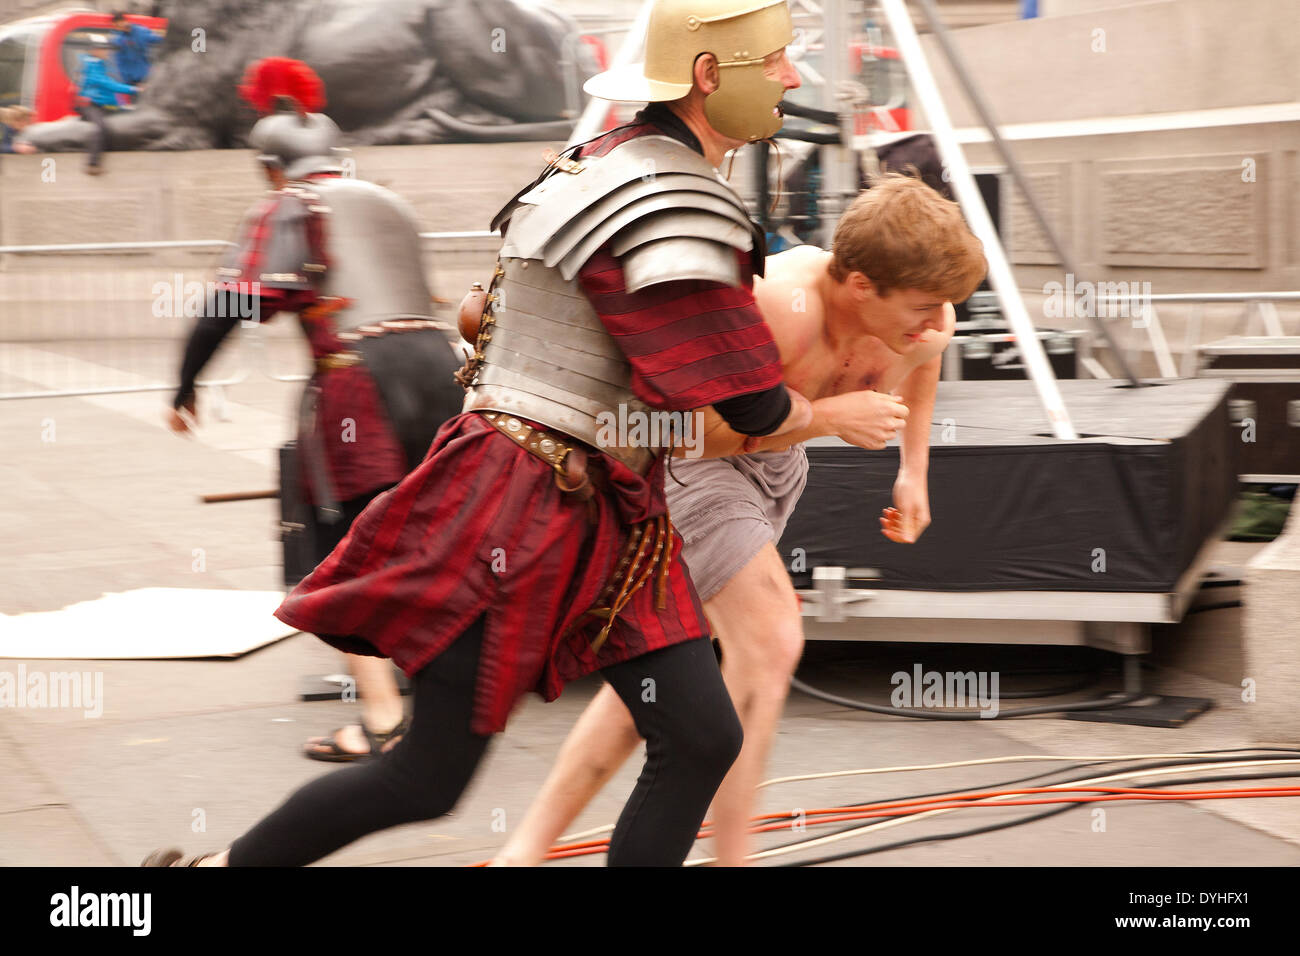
[{"x": 860, "y": 330}]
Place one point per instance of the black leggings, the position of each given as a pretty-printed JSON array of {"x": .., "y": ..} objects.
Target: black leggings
[{"x": 677, "y": 700}]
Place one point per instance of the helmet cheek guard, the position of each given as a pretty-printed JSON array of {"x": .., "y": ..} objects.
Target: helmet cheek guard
[{"x": 745, "y": 105}]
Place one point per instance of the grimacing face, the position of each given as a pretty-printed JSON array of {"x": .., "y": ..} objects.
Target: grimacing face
[{"x": 902, "y": 316}]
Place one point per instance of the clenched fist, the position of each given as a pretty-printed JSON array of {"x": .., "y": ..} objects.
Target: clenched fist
[{"x": 866, "y": 419}]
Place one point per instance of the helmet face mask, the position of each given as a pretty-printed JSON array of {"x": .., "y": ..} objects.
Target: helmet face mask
[{"x": 745, "y": 106}]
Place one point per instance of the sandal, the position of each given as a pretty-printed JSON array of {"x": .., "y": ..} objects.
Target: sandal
[
  {"x": 173, "y": 857},
  {"x": 336, "y": 754}
]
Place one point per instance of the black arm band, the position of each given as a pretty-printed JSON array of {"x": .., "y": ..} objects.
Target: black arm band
[{"x": 756, "y": 413}]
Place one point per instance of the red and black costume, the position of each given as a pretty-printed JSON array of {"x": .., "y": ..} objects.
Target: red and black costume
[
  {"x": 523, "y": 553},
  {"x": 375, "y": 459},
  {"x": 417, "y": 568},
  {"x": 374, "y": 403}
]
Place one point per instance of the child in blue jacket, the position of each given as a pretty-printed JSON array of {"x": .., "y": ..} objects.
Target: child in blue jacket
[{"x": 97, "y": 95}]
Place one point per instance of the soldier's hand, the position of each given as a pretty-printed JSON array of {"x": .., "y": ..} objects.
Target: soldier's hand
[{"x": 866, "y": 419}]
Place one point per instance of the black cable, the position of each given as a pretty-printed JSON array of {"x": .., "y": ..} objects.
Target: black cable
[
  {"x": 1083, "y": 683},
  {"x": 1222, "y": 605},
  {"x": 851, "y": 854},
  {"x": 810, "y": 112},
  {"x": 1270, "y": 753},
  {"x": 1219, "y": 583},
  {"x": 1104, "y": 703},
  {"x": 808, "y": 136},
  {"x": 955, "y": 835}
]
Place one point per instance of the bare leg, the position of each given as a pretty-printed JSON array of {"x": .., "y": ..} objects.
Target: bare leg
[
  {"x": 600, "y": 742},
  {"x": 756, "y": 618},
  {"x": 381, "y": 701},
  {"x": 381, "y": 705}
]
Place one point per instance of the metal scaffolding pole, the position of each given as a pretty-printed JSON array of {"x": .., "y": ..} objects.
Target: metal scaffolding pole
[
  {"x": 839, "y": 162},
  {"x": 972, "y": 204}
]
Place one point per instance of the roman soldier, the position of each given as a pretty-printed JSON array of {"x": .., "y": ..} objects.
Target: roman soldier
[
  {"x": 344, "y": 256},
  {"x": 527, "y": 549}
]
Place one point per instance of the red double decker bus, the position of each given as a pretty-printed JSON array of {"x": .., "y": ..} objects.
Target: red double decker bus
[
  {"x": 40, "y": 58},
  {"x": 880, "y": 69}
]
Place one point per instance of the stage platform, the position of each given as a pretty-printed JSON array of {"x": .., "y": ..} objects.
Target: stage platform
[{"x": 1033, "y": 540}]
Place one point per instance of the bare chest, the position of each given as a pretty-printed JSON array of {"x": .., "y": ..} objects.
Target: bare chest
[{"x": 818, "y": 371}]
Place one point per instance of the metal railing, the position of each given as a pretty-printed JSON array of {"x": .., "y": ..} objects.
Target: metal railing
[
  {"x": 109, "y": 366},
  {"x": 192, "y": 243},
  {"x": 1260, "y": 309}
]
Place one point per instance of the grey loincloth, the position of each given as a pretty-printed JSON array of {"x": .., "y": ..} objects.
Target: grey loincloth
[{"x": 729, "y": 508}]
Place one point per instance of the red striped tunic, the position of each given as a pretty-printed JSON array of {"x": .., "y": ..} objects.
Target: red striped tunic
[
  {"x": 361, "y": 450},
  {"x": 480, "y": 528}
]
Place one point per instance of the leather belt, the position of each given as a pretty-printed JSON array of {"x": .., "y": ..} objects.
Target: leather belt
[
  {"x": 392, "y": 325},
  {"x": 335, "y": 360},
  {"x": 568, "y": 461},
  {"x": 346, "y": 358}
]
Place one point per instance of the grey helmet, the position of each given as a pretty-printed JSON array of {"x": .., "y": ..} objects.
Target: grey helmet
[{"x": 299, "y": 143}]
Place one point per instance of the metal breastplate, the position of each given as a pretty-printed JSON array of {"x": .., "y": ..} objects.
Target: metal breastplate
[
  {"x": 548, "y": 358},
  {"x": 285, "y": 260},
  {"x": 543, "y": 352},
  {"x": 374, "y": 254}
]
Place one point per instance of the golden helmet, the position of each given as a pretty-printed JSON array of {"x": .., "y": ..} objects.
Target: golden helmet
[{"x": 740, "y": 33}]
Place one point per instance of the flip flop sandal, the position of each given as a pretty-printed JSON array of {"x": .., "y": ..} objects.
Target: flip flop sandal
[
  {"x": 173, "y": 857},
  {"x": 336, "y": 754}
]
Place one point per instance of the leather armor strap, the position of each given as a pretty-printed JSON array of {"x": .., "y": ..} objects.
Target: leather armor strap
[{"x": 569, "y": 462}]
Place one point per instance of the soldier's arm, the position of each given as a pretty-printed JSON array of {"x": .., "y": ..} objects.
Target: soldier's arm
[
  {"x": 715, "y": 343},
  {"x": 721, "y": 440},
  {"x": 210, "y": 330}
]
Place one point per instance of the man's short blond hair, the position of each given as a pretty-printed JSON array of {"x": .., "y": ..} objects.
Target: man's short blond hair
[{"x": 901, "y": 234}]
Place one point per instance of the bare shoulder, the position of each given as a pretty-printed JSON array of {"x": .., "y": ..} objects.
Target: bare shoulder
[
  {"x": 788, "y": 294},
  {"x": 794, "y": 266}
]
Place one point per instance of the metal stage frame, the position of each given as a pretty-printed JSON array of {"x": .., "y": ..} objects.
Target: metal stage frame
[{"x": 1113, "y": 621}]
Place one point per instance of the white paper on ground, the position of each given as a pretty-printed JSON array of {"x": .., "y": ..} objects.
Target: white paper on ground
[{"x": 148, "y": 623}]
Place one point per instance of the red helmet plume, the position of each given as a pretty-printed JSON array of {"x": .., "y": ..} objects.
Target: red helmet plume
[{"x": 276, "y": 76}]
